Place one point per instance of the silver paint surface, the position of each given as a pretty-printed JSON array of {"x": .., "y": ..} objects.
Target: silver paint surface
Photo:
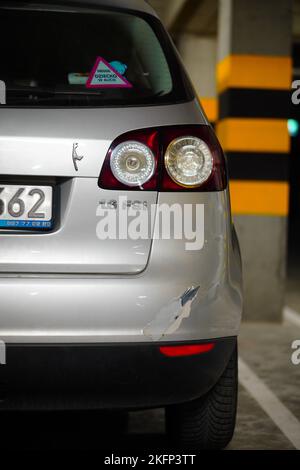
[
  {"x": 67, "y": 286},
  {"x": 116, "y": 308}
]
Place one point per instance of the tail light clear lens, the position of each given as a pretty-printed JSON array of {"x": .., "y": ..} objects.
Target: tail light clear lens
[
  {"x": 177, "y": 158},
  {"x": 188, "y": 161},
  {"x": 132, "y": 163}
]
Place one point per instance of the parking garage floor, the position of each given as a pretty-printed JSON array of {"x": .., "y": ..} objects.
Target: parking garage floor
[
  {"x": 266, "y": 374},
  {"x": 266, "y": 349}
]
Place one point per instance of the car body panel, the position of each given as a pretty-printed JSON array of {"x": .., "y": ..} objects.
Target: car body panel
[
  {"x": 78, "y": 308},
  {"x": 39, "y": 143},
  {"x": 134, "y": 5},
  {"x": 75, "y": 247}
]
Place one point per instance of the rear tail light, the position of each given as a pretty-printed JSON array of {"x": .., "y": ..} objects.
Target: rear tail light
[
  {"x": 178, "y": 158},
  {"x": 188, "y": 161},
  {"x": 186, "y": 350},
  {"x": 132, "y": 163}
]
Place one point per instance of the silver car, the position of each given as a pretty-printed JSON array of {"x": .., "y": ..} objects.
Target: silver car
[{"x": 120, "y": 270}]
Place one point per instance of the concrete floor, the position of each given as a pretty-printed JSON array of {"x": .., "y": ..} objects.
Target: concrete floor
[{"x": 266, "y": 348}]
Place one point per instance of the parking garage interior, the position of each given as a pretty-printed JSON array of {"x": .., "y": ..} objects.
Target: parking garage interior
[{"x": 247, "y": 37}]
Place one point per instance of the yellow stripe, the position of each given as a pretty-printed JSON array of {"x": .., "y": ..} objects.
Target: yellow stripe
[
  {"x": 247, "y": 71},
  {"x": 210, "y": 106},
  {"x": 254, "y": 135},
  {"x": 259, "y": 197}
]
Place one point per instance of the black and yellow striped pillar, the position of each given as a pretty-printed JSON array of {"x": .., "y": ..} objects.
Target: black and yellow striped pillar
[
  {"x": 253, "y": 82},
  {"x": 254, "y": 102}
]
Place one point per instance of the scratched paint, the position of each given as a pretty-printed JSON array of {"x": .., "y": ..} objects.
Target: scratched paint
[{"x": 170, "y": 317}]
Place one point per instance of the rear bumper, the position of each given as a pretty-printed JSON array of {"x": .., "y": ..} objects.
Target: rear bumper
[{"x": 127, "y": 376}]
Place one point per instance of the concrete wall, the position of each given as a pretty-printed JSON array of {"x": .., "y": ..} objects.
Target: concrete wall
[
  {"x": 263, "y": 248},
  {"x": 253, "y": 81},
  {"x": 200, "y": 58}
]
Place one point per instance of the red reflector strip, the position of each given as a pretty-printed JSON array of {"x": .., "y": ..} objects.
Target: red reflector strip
[{"x": 186, "y": 350}]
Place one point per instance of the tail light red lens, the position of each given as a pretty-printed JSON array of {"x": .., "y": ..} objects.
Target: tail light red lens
[
  {"x": 186, "y": 350},
  {"x": 161, "y": 143}
]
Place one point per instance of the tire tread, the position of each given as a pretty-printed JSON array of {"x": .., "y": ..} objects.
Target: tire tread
[{"x": 208, "y": 422}]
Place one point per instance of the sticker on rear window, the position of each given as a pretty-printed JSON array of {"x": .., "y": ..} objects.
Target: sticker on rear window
[
  {"x": 2, "y": 92},
  {"x": 105, "y": 75},
  {"x": 78, "y": 78},
  {"x": 118, "y": 66}
]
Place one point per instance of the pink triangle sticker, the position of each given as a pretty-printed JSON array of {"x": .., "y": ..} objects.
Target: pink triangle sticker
[{"x": 104, "y": 75}]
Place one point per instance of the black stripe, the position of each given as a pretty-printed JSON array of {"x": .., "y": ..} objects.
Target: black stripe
[
  {"x": 296, "y": 54},
  {"x": 258, "y": 166},
  {"x": 244, "y": 102}
]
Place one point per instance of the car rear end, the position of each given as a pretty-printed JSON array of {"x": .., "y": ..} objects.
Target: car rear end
[{"x": 95, "y": 109}]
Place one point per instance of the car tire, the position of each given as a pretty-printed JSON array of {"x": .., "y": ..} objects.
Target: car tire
[{"x": 209, "y": 421}]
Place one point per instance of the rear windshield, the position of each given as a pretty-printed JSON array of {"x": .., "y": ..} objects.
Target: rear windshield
[{"x": 86, "y": 58}]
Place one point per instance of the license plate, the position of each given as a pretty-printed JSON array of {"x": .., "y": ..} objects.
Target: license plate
[{"x": 23, "y": 206}]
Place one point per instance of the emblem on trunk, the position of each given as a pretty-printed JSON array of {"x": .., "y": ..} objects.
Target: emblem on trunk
[{"x": 76, "y": 158}]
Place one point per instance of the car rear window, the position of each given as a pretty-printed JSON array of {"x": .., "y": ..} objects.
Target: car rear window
[{"x": 80, "y": 57}]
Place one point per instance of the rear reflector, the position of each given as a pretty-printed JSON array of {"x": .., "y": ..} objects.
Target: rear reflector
[{"x": 186, "y": 350}]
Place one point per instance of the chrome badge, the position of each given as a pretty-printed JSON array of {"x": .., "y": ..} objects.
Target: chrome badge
[{"x": 76, "y": 158}]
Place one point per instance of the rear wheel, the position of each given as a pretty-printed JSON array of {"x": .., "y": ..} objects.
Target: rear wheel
[{"x": 208, "y": 422}]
